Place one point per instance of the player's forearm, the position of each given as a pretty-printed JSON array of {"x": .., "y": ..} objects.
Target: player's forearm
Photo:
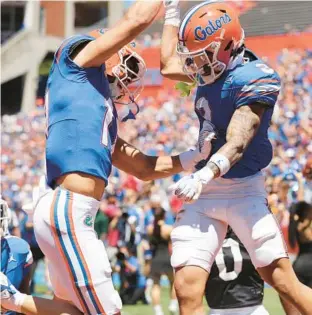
[
  {"x": 139, "y": 16},
  {"x": 220, "y": 163},
  {"x": 168, "y": 47},
  {"x": 36, "y": 306},
  {"x": 132, "y": 161},
  {"x": 234, "y": 150},
  {"x": 142, "y": 14},
  {"x": 242, "y": 128},
  {"x": 162, "y": 166},
  {"x": 170, "y": 63}
]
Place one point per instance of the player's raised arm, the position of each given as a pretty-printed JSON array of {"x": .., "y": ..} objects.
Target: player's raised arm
[
  {"x": 139, "y": 16},
  {"x": 132, "y": 161},
  {"x": 170, "y": 63}
]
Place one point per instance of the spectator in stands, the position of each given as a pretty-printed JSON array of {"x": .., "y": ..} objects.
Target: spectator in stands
[
  {"x": 307, "y": 173},
  {"x": 132, "y": 281},
  {"x": 159, "y": 239},
  {"x": 300, "y": 234},
  {"x": 101, "y": 225}
]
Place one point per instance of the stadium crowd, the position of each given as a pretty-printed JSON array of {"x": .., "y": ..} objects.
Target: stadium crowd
[{"x": 129, "y": 205}]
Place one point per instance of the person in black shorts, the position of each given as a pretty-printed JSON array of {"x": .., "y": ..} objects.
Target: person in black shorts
[
  {"x": 235, "y": 287},
  {"x": 159, "y": 239},
  {"x": 300, "y": 233}
]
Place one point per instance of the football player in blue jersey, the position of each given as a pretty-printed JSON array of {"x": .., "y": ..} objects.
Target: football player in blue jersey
[
  {"x": 88, "y": 74},
  {"x": 16, "y": 257},
  {"x": 236, "y": 93}
]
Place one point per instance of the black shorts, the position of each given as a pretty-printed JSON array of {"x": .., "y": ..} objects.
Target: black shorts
[
  {"x": 303, "y": 268},
  {"x": 37, "y": 253},
  {"x": 160, "y": 265}
]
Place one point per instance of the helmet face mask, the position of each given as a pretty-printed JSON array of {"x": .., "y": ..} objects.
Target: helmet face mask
[
  {"x": 125, "y": 71},
  {"x": 130, "y": 70},
  {"x": 202, "y": 66},
  {"x": 128, "y": 83}
]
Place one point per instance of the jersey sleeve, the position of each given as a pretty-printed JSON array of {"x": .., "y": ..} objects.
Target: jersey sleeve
[
  {"x": 63, "y": 61},
  {"x": 258, "y": 84}
]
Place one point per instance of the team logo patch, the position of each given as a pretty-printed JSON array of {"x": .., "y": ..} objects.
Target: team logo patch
[
  {"x": 212, "y": 27},
  {"x": 88, "y": 221}
]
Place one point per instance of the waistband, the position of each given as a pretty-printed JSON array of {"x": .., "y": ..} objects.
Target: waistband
[
  {"x": 81, "y": 201},
  {"x": 235, "y": 187}
]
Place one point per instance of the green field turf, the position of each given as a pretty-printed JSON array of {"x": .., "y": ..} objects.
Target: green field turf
[{"x": 271, "y": 302}]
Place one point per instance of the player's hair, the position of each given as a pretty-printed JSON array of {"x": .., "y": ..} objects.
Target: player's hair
[{"x": 298, "y": 213}]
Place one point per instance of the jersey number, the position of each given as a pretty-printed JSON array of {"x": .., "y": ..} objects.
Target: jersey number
[{"x": 224, "y": 274}]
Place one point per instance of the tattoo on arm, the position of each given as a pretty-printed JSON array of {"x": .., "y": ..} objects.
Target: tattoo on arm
[
  {"x": 215, "y": 169},
  {"x": 243, "y": 126}
]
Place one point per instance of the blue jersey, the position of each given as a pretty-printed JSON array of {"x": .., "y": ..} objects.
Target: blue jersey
[
  {"x": 81, "y": 118},
  {"x": 16, "y": 259},
  {"x": 250, "y": 83}
]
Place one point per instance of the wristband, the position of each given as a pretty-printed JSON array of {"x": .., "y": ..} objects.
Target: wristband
[
  {"x": 222, "y": 162},
  {"x": 172, "y": 17}
]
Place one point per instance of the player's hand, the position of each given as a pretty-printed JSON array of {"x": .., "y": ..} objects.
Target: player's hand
[{"x": 188, "y": 188}]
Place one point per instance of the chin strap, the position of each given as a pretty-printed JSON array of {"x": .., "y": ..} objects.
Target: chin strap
[{"x": 127, "y": 113}]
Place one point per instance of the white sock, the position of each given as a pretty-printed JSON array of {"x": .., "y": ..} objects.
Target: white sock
[
  {"x": 173, "y": 305},
  {"x": 149, "y": 282},
  {"x": 158, "y": 310}
]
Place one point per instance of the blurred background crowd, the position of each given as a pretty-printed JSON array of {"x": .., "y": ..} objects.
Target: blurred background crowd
[{"x": 131, "y": 209}]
